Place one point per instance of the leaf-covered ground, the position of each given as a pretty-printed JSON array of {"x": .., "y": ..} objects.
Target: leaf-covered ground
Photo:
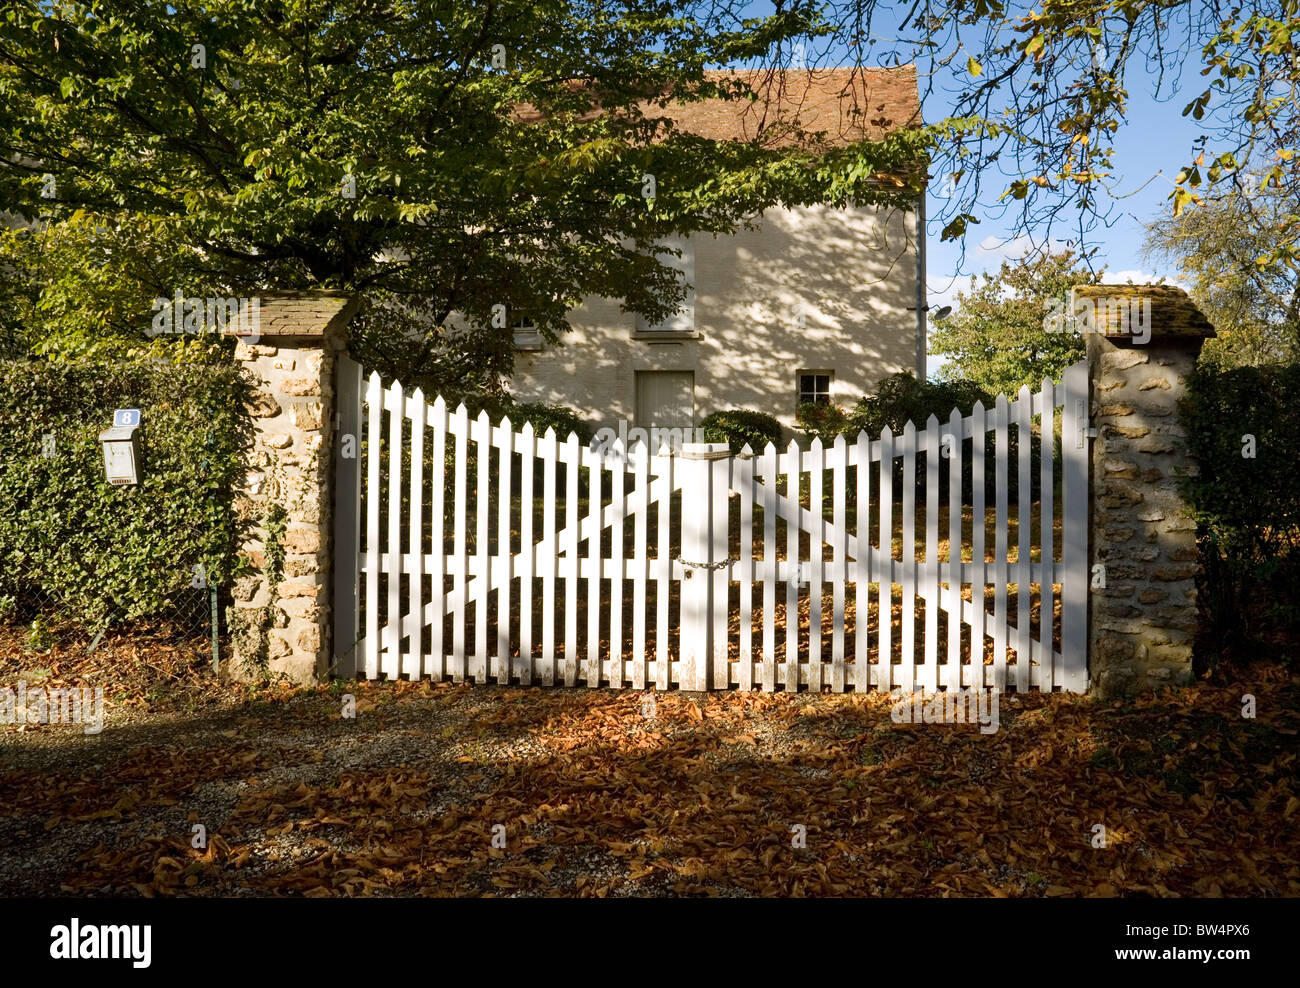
[{"x": 594, "y": 793}]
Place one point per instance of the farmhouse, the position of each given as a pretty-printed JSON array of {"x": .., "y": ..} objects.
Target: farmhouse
[{"x": 815, "y": 304}]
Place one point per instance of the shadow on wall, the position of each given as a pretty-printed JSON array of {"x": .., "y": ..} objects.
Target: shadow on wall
[{"x": 813, "y": 289}]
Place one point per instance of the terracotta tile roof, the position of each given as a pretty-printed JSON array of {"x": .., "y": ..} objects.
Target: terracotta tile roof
[
  {"x": 846, "y": 105},
  {"x": 1173, "y": 313},
  {"x": 843, "y": 104},
  {"x": 304, "y": 313}
]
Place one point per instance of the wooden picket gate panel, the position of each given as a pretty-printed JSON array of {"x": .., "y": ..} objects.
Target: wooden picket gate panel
[{"x": 468, "y": 550}]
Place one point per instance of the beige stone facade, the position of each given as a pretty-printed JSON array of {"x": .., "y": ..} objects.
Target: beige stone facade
[{"x": 813, "y": 290}]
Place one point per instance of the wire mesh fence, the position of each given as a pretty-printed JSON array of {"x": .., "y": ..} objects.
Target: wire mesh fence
[{"x": 36, "y": 622}]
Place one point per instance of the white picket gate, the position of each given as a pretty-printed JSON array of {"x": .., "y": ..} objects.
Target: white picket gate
[{"x": 474, "y": 551}]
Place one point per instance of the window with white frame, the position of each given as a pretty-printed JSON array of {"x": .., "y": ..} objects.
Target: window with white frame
[
  {"x": 527, "y": 335},
  {"x": 683, "y": 320},
  {"x": 815, "y": 387}
]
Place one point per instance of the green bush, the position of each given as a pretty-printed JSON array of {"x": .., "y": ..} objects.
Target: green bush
[
  {"x": 824, "y": 421},
  {"x": 104, "y": 552},
  {"x": 543, "y": 416},
  {"x": 901, "y": 398},
  {"x": 1247, "y": 507},
  {"x": 738, "y": 427}
]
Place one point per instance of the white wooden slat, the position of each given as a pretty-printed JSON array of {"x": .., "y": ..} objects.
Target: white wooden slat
[
  {"x": 768, "y": 573},
  {"x": 885, "y": 595},
  {"x": 1001, "y": 438},
  {"x": 907, "y": 633},
  {"x": 505, "y": 558},
  {"x": 415, "y": 614},
  {"x": 663, "y": 571},
  {"x": 391, "y": 659},
  {"x": 862, "y": 567},
  {"x": 952, "y": 679},
  {"x": 693, "y": 668},
  {"x": 1024, "y": 432},
  {"x": 438, "y": 542},
  {"x": 743, "y": 484},
  {"x": 460, "y": 429},
  {"x": 839, "y": 567},
  {"x": 594, "y": 594},
  {"x": 930, "y": 674},
  {"x": 527, "y": 447},
  {"x": 816, "y": 567},
  {"x": 1046, "y": 539},
  {"x": 546, "y": 561},
  {"x": 793, "y": 473},
  {"x": 347, "y": 517},
  {"x": 719, "y": 577},
  {"x": 573, "y": 462},
  {"x": 1074, "y": 535},
  {"x": 977, "y": 547},
  {"x": 482, "y": 434},
  {"x": 640, "y": 567},
  {"x": 374, "y": 418},
  {"x": 618, "y": 507}
]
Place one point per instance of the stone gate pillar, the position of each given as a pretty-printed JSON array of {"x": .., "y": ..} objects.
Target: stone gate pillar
[
  {"x": 280, "y": 621},
  {"x": 1142, "y": 344}
]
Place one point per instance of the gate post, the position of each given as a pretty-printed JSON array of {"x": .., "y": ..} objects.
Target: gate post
[
  {"x": 697, "y": 558},
  {"x": 347, "y": 518},
  {"x": 1143, "y": 342},
  {"x": 280, "y": 621}
]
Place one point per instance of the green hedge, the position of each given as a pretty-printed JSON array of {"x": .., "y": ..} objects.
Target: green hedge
[
  {"x": 739, "y": 427},
  {"x": 112, "y": 553},
  {"x": 1247, "y": 508},
  {"x": 901, "y": 398}
]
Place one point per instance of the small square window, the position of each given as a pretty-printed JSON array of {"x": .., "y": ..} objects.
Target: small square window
[
  {"x": 527, "y": 335},
  {"x": 815, "y": 387}
]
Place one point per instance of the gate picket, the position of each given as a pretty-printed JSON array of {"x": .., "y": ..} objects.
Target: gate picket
[
  {"x": 933, "y": 592},
  {"x": 1024, "y": 434},
  {"x": 978, "y": 524}
]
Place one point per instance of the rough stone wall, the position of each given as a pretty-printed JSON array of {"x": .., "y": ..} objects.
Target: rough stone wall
[
  {"x": 281, "y": 626},
  {"x": 1143, "y": 620}
]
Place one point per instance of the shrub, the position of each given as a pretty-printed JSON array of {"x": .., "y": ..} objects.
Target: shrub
[
  {"x": 823, "y": 421},
  {"x": 738, "y": 427},
  {"x": 543, "y": 416},
  {"x": 1247, "y": 508},
  {"x": 901, "y": 397},
  {"x": 118, "y": 552}
]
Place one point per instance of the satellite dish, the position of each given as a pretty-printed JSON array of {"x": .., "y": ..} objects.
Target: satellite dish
[{"x": 943, "y": 313}]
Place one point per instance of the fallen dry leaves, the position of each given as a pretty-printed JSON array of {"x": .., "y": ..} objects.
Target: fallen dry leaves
[{"x": 591, "y": 798}]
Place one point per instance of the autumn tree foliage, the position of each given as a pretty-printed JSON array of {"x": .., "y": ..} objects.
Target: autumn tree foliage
[{"x": 998, "y": 337}]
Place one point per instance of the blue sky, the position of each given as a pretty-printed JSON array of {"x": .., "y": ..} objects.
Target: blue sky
[{"x": 1150, "y": 148}]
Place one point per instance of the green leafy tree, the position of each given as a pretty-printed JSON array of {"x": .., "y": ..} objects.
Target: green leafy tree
[
  {"x": 81, "y": 287},
  {"x": 997, "y": 337},
  {"x": 1223, "y": 250},
  {"x": 439, "y": 157}
]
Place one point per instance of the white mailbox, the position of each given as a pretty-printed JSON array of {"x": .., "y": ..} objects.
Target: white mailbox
[{"x": 122, "y": 448}]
